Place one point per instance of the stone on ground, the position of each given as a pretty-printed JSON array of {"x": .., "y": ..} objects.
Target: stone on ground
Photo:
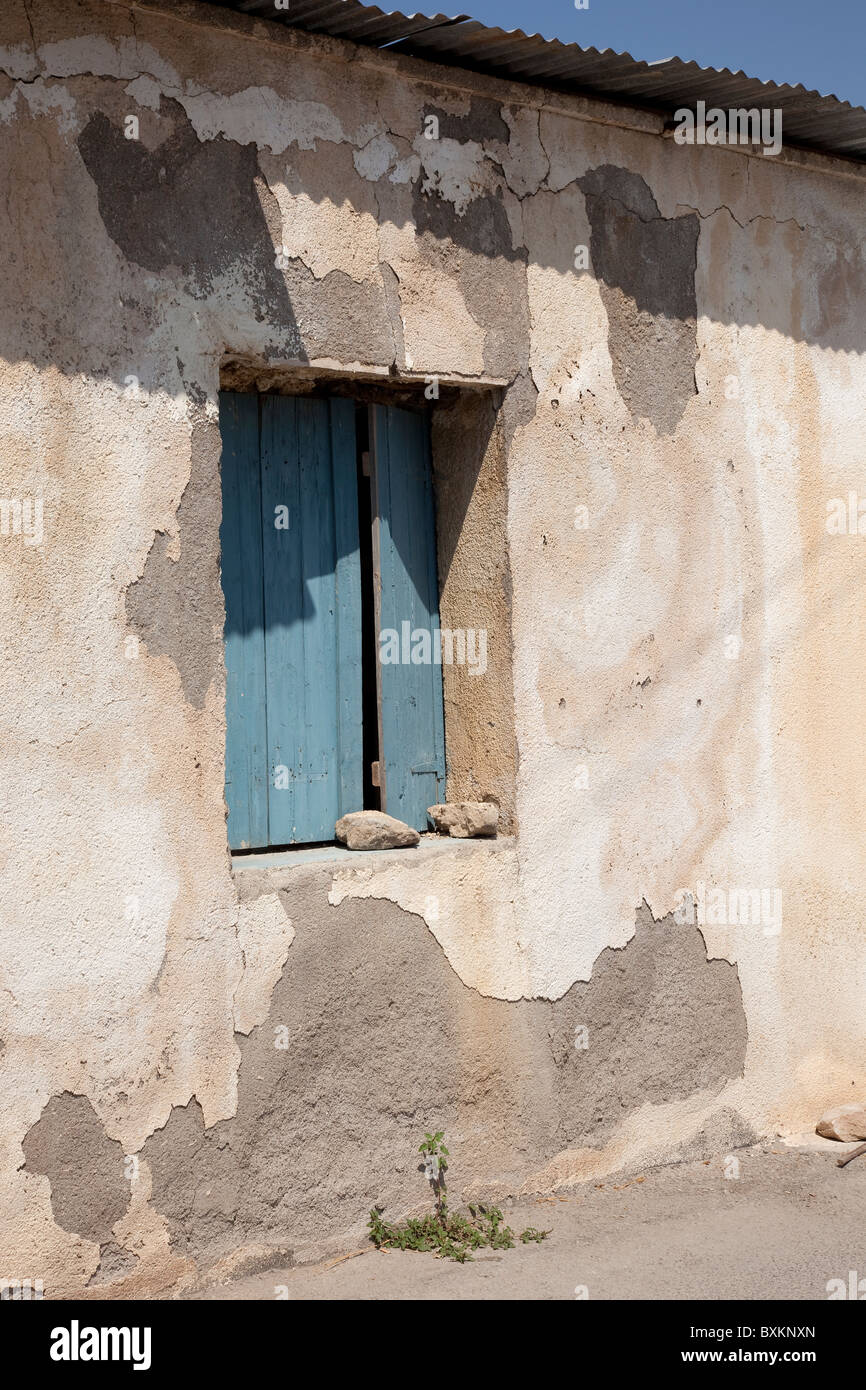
[{"x": 845, "y": 1122}]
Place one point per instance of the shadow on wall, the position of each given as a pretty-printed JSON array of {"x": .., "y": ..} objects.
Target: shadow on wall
[
  {"x": 201, "y": 208},
  {"x": 176, "y": 606},
  {"x": 202, "y": 215}
]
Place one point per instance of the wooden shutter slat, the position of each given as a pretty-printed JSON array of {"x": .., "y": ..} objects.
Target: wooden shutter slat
[
  {"x": 241, "y": 558},
  {"x": 411, "y": 706},
  {"x": 348, "y": 604}
]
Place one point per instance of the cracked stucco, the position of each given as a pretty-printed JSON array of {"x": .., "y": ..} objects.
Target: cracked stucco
[{"x": 647, "y": 759}]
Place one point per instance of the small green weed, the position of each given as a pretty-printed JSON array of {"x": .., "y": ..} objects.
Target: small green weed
[{"x": 449, "y": 1237}]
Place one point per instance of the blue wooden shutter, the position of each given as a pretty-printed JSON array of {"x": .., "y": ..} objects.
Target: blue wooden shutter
[
  {"x": 412, "y": 756},
  {"x": 302, "y": 667},
  {"x": 241, "y": 556}
]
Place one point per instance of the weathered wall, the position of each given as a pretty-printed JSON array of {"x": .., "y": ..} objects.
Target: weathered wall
[
  {"x": 685, "y": 671},
  {"x": 471, "y": 486}
]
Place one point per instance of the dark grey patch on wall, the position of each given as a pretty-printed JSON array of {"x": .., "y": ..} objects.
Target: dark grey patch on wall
[
  {"x": 339, "y": 317},
  {"x": 645, "y": 265},
  {"x": 519, "y": 405},
  {"x": 68, "y": 1145},
  {"x": 483, "y": 227},
  {"x": 201, "y": 1184},
  {"x": 115, "y": 1264},
  {"x": 495, "y": 293},
  {"x": 384, "y": 1041},
  {"x": 482, "y": 122},
  {"x": 195, "y": 392},
  {"x": 176, "y": 607},
  {"x": 662, "y": 1022},
  {"x": 200, "y": 206},
  {"x": 841, "y": 285}
]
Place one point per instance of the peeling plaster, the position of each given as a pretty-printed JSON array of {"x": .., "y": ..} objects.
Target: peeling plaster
[
  {"x": 367, "y": 982},
  {"x": 469, "y": 906},
  {"x": 68, "y": 1145},
  {"x": 646, "y": 270},
  {"x": 264, "y": 935},
  {"x": 175, "y": 607},
  {"x": 455, "y": 172},
  {"x": 380, "y": 157},
  {"x": 258, "y": 116}
]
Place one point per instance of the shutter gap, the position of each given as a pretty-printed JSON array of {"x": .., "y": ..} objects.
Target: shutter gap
[{"x": 370, "y": 688}]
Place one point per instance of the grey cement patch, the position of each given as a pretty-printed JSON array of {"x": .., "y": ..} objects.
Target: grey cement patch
[
  {"x": 340, "y": 317},
  {"x": 391, "y": 289},
  {"x": 197, "y": 1180},
  {"x": 645, "y": 265},
  {"x": 662, "y": 1022},
  {"x": 115, "y": 1264},
  {"x": 484, "y": 226},
  {"x": 519, "y": 406},
  {"x": 176, "y": 607},
  {"x": 68, "y": 1145},
  {"x": 198, "y": 207},
  {"x": 483, "y": 122},
  {"x": 383, "y": 1041},
  {"x": 498, "y": 304}
]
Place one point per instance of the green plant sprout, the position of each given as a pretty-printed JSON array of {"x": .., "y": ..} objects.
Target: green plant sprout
[
  {"x": 435, "y": 1157},
  {"x": 449, "y": 1237}
]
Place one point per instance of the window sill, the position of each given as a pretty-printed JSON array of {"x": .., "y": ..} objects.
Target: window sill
[{"x": 249, "y": 869}]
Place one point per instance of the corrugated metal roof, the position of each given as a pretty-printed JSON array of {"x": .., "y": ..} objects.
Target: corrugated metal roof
[{"x": 809, "y": 119}]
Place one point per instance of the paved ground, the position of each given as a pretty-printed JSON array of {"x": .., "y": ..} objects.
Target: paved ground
[{"x": 790, "y": 1222}]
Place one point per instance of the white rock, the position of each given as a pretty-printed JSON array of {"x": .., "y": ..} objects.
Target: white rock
[
  {"x": 374, "y": 830},
  {"x": 845, "y": 1122},
  {"x": 465, "y": 819}
]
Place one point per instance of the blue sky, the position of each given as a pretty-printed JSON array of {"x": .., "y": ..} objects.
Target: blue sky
[{"x": 821, "y": 43}]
